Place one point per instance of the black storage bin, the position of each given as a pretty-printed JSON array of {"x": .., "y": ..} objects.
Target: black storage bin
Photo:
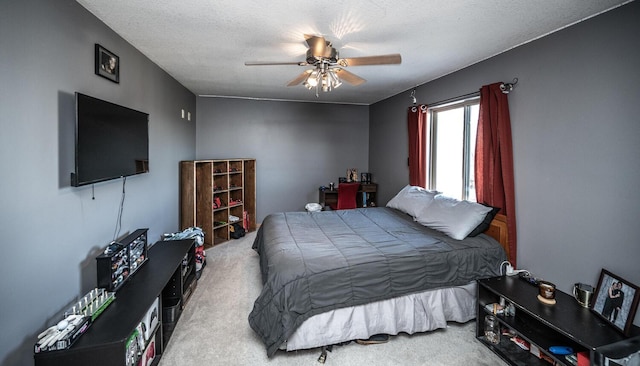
[{"x": 171, "y": 309}]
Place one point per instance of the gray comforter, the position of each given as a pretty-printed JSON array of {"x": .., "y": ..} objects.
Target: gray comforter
[{"x": 316, "y": 262}]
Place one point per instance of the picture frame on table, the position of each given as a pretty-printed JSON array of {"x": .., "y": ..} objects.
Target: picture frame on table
[
  {"x": 616, "y": 301},
  {"x": 352, "y": 175},
  {"x": 107, "y": 64}
]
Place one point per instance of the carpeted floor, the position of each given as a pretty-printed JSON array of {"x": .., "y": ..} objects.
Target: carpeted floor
[{"x": 213, "y": 328}]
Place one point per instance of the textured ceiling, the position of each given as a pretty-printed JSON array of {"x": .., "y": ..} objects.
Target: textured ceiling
[{"x": 204, "y": 43}]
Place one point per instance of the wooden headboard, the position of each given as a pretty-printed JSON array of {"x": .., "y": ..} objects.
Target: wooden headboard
[{"x": 498, "y": 230}]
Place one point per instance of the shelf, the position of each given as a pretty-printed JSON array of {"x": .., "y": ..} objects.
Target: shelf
[
  {"x": 104, "y": 343},
  {"x": 534, "y": 333},
  {"x": 203, "y": 183},
  {"x": 508, "y": 350},
  {"x": 564, "y": 324},
  {"x": 541, "y": 335},
  {"x": 190, "y": 286}
]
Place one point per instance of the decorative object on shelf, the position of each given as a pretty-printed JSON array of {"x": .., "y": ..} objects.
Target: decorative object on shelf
[
  {"x": 217, "y": 203},
  {"x": 494, "y": 308},
  {"x": 62, "y": 335},
  {"x": 92, "y": 304},
  {"x": 491, "y": 329},
  {"x": 107, "y": 64},
  {"x": 246, "y": 224},
  {"x": 521, "y": 343},
  {"x": 547, "y": 292},
  {"x": 616, "y": 301},
  {"x": 352, "y": 175},
  {"x": 365, "y": 178},
  {"x": 77, "y": 320},
  {"x": 583, "y": 294},
  {"x": 342, "y": 180},
  {"x": 121, "y": 259}
]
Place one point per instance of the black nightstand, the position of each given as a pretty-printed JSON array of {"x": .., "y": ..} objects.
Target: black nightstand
[{"x": 564, "y": 324}]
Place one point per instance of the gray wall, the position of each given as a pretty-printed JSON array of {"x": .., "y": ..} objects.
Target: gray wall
[
  {"x": 576, "y": 141},
  {"x": 298, "y": 146},
  {"x": 50, "y": 231},
  {"x": 575, "y": 130}
]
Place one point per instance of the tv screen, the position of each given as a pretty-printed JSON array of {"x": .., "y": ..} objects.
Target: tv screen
[{"x": 112, "y": 141}]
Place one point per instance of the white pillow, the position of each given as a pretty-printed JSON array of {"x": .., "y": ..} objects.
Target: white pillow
[
  {"x": 453, "y": 217},
  {"x": 411, "y": 200}
]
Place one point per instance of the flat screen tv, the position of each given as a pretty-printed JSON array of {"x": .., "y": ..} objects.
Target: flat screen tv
[{"x": 112, "y": 141}]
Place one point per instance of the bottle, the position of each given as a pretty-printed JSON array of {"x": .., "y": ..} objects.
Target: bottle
[{"x": 491, "y": 329}]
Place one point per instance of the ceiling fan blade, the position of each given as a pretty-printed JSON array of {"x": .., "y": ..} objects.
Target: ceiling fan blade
[
  {"x": 300, "y": 78},
  {"x": 349, "y": 77},
  {"x": 393, "y": 58},
  {"x": 317, "y": 45},
  {"x": 268, "y": 63}
]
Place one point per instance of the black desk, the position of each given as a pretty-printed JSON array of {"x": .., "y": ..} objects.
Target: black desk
[
  {"x": 366, "y": 197},
  {"x": 105, "y": 341}
]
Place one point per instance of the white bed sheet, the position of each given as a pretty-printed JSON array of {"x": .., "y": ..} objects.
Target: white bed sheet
[{"x": 419, "y": 312}]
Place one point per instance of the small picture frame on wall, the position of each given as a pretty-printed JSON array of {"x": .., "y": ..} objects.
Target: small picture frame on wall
[
  {"x": 616, "y": 301},
  {"x": 107, "y": 64}
]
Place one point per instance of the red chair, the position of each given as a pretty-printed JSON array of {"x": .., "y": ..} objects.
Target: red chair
[{"x": 346, "y": 196}]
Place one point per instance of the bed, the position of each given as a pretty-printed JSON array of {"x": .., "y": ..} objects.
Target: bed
[{"x": 334, "y": 276}]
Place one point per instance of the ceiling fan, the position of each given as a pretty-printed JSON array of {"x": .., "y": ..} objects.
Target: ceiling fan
[{"x": 328, "y": 71}]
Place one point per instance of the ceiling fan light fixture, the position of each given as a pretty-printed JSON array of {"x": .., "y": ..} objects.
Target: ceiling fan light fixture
[
  {"x": 326, "y": 83},
  {"x": 327, "y": 68},
  {"x": 335, "y": 80},
  {"x": 312, "y": 79}
]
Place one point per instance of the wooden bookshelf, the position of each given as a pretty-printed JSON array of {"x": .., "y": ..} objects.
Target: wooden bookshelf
[{"x": 212, "y": 190}]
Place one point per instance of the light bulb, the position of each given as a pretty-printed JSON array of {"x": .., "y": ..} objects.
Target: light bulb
[{"x": 335, "y": 81}]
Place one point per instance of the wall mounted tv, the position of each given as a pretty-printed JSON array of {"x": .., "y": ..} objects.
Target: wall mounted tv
[{"x": 112, "y": 141}]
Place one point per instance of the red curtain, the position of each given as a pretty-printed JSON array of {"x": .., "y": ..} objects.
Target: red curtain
[
  {"x": 494, "y": 159},
  {"x": 417, "y": 123}
]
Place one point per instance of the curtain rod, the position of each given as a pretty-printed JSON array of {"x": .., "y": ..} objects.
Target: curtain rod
[
  {"x": 504, "y": 87},
  {"x": 442, "y": 102}
]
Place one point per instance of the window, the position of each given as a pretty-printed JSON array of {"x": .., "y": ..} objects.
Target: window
[{"x": 451, "y": 148}]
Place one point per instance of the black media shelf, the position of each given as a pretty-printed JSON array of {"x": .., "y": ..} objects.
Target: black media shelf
[{"x": 104, "y": 343}]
